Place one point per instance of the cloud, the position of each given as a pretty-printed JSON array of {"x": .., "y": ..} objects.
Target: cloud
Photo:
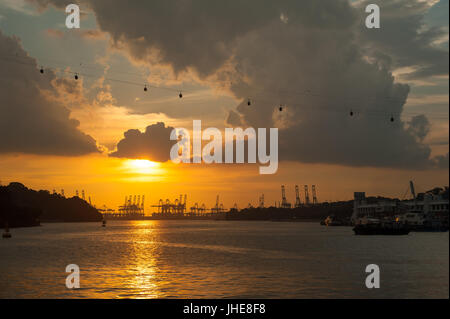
[
  {"x": 89, "y": 34},
  {"x": 19, "y": 6},
  {"x": 320, "y": 75},
  {"x": 208, "y": 31},
  {"x": 314, "y": 57},
  {"x": 54, "y": 33},
  {"x": 205, "y": 30},
  {"x": 92, "y": 34},
  {"x": 234, "y": 118},
  {"x": 154, "y": 144},
  {"x": 419, "y": 127},
  {"x": 441, "y": 161},
  {"x": 31, "y": 119},
  {"x": 404, "y": 40}
]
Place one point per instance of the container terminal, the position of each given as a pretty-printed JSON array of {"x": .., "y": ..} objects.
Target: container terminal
[{"x": 423, "y": 211}]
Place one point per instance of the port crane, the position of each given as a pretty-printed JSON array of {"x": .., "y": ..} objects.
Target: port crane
[
  {"x": 313, "y": 190},
  {"x": 261, "y": 201},
  {"x": 284, "y": 202},
  {"x": 297, "y": 197},
  {"x": 306, "y": 195},
  {"x": 218, "y": 208}
]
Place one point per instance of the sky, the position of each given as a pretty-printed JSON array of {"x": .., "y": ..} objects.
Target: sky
[{"x": 104, "y": 134}]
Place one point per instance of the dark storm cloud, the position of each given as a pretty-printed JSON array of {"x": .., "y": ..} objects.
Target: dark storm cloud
[
  {"x": 154, "y": 144},
  {"x": 311, "y": 56},
  {"x": 200, "y": 33},
  {"x": 207, "y": 30},
  {"x": 31, "y": 121}
]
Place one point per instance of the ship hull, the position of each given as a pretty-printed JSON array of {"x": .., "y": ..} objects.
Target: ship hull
[{"x": 380, "y": 230}]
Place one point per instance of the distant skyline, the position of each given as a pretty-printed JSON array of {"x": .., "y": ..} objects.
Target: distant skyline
[{"x": 315, "y": 58}]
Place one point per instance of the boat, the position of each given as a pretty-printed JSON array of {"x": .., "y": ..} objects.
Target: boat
[
  {"x": 333, "y": 221},
  {"x": 420, "y": 222},
  {"x": 375, "y": 226},
  {"x": 381, "y": 229},
  {"x": 6, "y": 233}
]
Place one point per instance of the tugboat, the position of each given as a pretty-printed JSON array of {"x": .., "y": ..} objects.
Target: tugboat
[
  {"x": 331, "y": 221},
  {"x": 6, "y": 233},
  {"x": 377, "y": 227}
]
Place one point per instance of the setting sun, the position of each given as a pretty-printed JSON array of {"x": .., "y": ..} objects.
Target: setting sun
[{"x": 143, "y": 166}]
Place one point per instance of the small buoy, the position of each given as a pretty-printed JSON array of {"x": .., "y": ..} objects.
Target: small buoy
[
  {"x": 145, "y": 88},
  {"x": 104, "y": 223},
  {"x": 392, "y": 119},
  {"x": 281, "y": 108},
  {"x": 41, "y": 70},
  {"x": 180, "y": 95},
  {"x": 351, "y": 113},
  {"x": 249, "y": 102},
  {"x": 76, "y": 76}
]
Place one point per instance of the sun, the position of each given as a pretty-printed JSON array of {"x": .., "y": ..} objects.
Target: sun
[{"x": 141, "y": 166}]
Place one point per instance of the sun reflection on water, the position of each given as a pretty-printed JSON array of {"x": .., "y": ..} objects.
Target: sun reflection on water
[{"x": 143, "y": 265}]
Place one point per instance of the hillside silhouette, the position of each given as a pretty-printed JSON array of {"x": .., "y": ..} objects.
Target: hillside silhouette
[{"x": 24, "y": 207}]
